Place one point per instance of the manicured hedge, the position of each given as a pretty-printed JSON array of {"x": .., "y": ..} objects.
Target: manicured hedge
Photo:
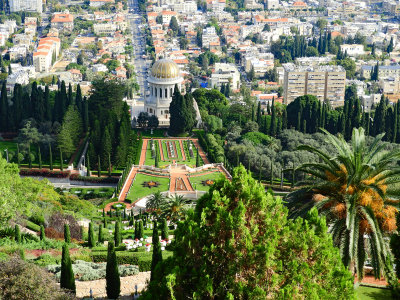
[
  {"x": 44, "y": 173},
  {"x": 142, "y": 259},
  {"x": 32, "y": 226},
  {"x": 94, "y": 179}
]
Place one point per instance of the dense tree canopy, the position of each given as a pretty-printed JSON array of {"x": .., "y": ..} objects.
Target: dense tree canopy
[{"x": 235, "y": 245}]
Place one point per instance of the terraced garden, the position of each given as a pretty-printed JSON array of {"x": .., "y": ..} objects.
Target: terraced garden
[
  {"x": 138, "y": 190},
  {"x": 197, "y": 181}
]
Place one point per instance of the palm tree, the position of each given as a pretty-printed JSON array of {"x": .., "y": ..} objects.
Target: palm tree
[
  {"x": 175, "y": 208},
  {"x": 351, "y": 189},
  {"x": 156, "y": 202}
]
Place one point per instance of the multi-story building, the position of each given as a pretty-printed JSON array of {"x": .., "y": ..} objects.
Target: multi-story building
[
  {"x": 104, "y": 28},
  {"x": 327, "y": 83},
  {"x": 383, "y": 71},
  {"x": 46, "y": 53},
  {"x": 352, "y": 49},
  {"x": 62, "y": 21},
  {"x": 98, "y": 3},
  {"x": 26, "y": 5},
  {"x": 223, "y": 74},
  {"x": 272, "y": 4},
  {"x": 185, "y": 7}
]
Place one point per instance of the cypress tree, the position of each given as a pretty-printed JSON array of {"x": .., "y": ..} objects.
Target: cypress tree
[
  {"x": 273, "y": 119},
  {"x": 85, "y": 114},
  {"x": 252, "y": 113},
  {"x": 40, "y": 157},
  {"x": 29, "y": 156},
  {"x": 67, "y": 280},
  {"x": 117, "y": 234},
  {"x": 198, "y": 163},
  {"x": 105, "y": 222},
  {"x": 47, "y": 105},
  {"x": 157, "y": 254},
  {"x": 113, "y": 282},
  {"x": 42, "y": 234},
  {"x": 3, "y": 108},
  {"x": 259, "y": 113},
  {"x": 305, "y": 126},
  {"x": 284, "y": 119},
  {"x": 78, "y": 99},
  {"x": 140, "y": 229},
  {"x": 88, "y": 165},
  {"x": 298, "y": 126},
  {"x": 91, "y": 240},
  {"x": 136, "y": 229},
  {"x": 69, "y": 99},
  {"x": 156, "y": 159},
  {"x": 104, "y": 213},
  {"x": 18, "y": 158},
  {"x": 164, "y": 230},
  {"x": 98, "y": 166},
  {"x": 61, "y": 161},
  {"x": 109, "y": 165},
  {"x": 67, "y": 234},
  {"x": 17, "y": 234},
  {"x": 271, "y": 172},
  {"x": 51, "y": 157},
  {"x": 101, "y": 238}
]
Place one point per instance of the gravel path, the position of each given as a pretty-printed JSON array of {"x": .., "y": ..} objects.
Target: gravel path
[{"x": 99, "y": 286}]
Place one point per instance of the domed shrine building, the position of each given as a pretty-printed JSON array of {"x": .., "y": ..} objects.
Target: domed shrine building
[{"x": 164, "y": 75}]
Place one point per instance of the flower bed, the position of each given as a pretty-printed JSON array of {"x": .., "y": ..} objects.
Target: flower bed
[{"x": 44, "y": 173}]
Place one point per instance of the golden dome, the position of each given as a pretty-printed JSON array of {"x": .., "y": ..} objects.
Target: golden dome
[{"x": 165, "y": 69}]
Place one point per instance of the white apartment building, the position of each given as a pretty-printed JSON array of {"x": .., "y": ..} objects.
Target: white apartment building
[
  {"x": 17, "y": 52},
  {"x": 26, "y": 5},
  {"x": 272, "y": 4},
  {"x": 209, "y": 36},
  {"x": 104, "y": 28},
  {"x": 223, "y": 74},
  {"x": 47, "y": 51},
  {"x": 167, "y": 15},
  {"x": 98, "y": 3},
  {"x": 62, "y": 21},
  {"x": 186, "y": 7},
  {"x": 327, "y": 83},
  {"x": 352, "y": 49}
]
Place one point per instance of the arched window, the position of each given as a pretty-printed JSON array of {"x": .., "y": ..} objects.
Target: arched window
[
  {"x": 151, "y": 110},
  {"x": 171, "y": 93},
  {"x": 160, "y": 92},
  {"x": 161, "y": 112},
  {"x": 155, "y": 91},
  {"x": 166, "y": 111},
  {"x": 166, "y": 93},
  {"x": 152, "y": 91}
]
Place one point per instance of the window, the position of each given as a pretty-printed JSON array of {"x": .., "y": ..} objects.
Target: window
[
  {"x": 152, "y": 91},
  {"x": 166, "y": 93},
  {"x": 161, "y": 112},
  {"x": 166, "y": 111},
  {"x": 151, "y": 110},
  {"x": 160, "y": 92},
  {"x": 171, "y": 93},
  {"x": 155, "y": 91}
]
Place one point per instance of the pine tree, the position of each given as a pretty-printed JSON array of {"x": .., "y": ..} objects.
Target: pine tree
[
  {"x": 67, "y": 234},
  {"x": 100, "y": 237},
  {"x": 117, "y": 234},
  {"x": 17, "y": 234},
  {"x": 42, "y": 234},
  {"x": 91, "y": 240},
  {"x": 113, "y": 281},
  {"x": 157, "y": 254},
  {"x": 67, "y": 280},
  {"x": 164, "y": 230}
]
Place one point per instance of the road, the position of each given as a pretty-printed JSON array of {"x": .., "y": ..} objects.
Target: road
[{"x": 139, "y": 46}]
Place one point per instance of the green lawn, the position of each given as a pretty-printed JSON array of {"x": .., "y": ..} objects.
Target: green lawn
[
  {"x": 196, "y": 180},
  {"x": 369, "y": 293},
  {"x": 137, "y": 190},
  {"x": 149, "y": 161},
  {"x": 157, "y": 133}
]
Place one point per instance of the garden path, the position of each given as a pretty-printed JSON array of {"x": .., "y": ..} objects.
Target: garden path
[{"x": 143, "y": 152}]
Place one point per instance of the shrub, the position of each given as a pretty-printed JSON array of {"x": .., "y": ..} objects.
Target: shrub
[
  {"x": 32, "y": 226},
  {"x": 44, "y": 173},
  {"x": 113, "y": 282},
  {"x": 52, "y": 233},
  {"x": 94, "y": 179},
  {"x": 37, "y": 219},
  {"x": 23, "y": 280},
  {"x": 58, "y": 220},
  {"x": 46, "y": 259}
]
